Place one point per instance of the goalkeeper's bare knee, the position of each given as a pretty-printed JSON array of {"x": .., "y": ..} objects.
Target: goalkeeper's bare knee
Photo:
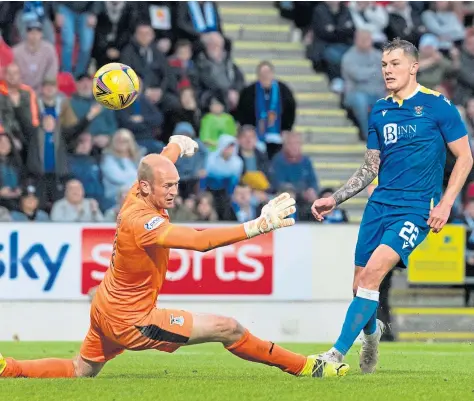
[
  {"x": 213, "y": 328},
  {"x": 84, "y": 368}
]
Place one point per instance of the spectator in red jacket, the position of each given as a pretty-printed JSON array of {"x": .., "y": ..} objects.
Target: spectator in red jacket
[
  {"x": 182, "y": 65},
  {"x": 6, "y": 56}
]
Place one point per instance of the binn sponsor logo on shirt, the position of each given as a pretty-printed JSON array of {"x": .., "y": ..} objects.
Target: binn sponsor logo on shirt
[{"x": 392, "y": 133}]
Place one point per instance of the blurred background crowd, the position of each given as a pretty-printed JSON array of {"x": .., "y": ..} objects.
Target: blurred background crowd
[{"x": 65, "y": 158}]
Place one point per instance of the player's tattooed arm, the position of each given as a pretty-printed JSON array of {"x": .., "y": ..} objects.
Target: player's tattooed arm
[{"x": 361, "y": 178}]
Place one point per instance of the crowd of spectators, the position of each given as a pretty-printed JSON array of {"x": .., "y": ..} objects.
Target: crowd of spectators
[
  {"x": 344, "y": 40},
  {"x": 54, "y": 137},
  {"x": 63, "y": 157}
]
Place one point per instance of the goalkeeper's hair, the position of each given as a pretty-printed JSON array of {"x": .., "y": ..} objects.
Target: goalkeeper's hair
[{"x": 408, "y": 48}]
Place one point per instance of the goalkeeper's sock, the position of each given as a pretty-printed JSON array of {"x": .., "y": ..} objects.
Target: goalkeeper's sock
[
  {"x": 361, "y": 310},
  {"x": 371, "y": 326},
  {"x": 39, "y": 368},
  {"x": 254, "y": 349}
]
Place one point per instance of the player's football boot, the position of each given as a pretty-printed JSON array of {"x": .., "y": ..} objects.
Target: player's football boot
[
  {"x": 331, "y": 356},
  {"x": 3, "y": 364},
  {"x": 316, "y": 367},
  {"x": 369, "y": 353}
]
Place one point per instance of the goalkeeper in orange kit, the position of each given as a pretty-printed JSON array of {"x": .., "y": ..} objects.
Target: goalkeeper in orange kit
[{"x": 123, "y": 313}]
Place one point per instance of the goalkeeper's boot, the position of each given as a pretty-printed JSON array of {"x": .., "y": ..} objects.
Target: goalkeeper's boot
[
  {"x": 316, "y": 367},
  {"x": 369, "y": 353},
  {"x": 3, "y": 364}
]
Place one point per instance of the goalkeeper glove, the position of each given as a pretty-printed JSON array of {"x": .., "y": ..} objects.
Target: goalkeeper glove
[
  {"x": 188, "y": 146},
  {"x": 274, "y": 216}
]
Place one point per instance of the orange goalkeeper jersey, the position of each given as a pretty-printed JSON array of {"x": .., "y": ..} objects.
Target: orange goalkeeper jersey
[
  {"x": 139, "y": 260},
  {"x": 138, "y": 264}
]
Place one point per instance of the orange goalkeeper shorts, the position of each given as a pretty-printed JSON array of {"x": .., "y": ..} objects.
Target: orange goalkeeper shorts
[{"x": 162, "y": 329}]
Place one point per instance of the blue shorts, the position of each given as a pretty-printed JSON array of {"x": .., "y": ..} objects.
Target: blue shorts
[{"x": 400, "y": 228}]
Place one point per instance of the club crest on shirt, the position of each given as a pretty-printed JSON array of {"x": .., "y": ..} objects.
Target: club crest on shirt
[
  {"x": 179, "y": 320},
  {"x": 418, "y": 111},
  {"x": 154, "y": 223}
]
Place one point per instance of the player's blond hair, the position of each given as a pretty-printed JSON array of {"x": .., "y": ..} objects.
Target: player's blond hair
[{"x": 408, "y": 48}]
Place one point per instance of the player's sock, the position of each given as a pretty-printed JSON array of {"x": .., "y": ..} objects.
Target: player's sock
[
  {"x": 371, "y": 325},
  {"x": 39, "y": 368},
  {"x": 254, "y": 349},
  {"x": 362, "y": 308}
]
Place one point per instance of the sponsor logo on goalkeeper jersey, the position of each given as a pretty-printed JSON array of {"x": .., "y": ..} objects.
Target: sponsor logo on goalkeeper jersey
[
  {"x": 179, "y": 320},
  {"x": 245, "y": 268},
  {"x": 154, "y": 223}
]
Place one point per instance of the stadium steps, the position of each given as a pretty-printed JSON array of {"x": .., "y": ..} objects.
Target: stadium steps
[
  {"x": 282, "y": 66},
  {"x": 339, "y": 135},
  {"x": 335, "y": 170},
  {"x": 415, "y": 297},
  {"x": 259, "y": 33},
  {"x": 267, "y": 50},
  {"x": 429, "y": 313},
  {"x": 434, "y": 323}
]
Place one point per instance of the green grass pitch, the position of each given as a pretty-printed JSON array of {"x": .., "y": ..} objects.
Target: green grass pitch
[{"x": 207, "y": 372}]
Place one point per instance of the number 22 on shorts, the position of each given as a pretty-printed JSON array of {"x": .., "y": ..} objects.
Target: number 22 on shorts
[{"x": 409, "y": 234}]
